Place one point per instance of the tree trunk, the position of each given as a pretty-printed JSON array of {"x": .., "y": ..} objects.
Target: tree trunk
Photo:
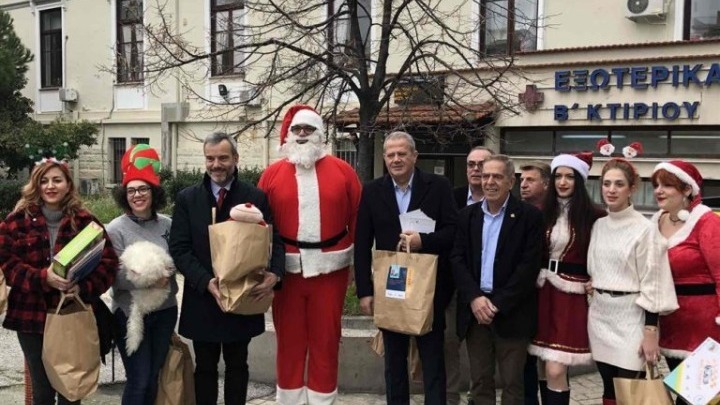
[{"x": 365, "y": 155}]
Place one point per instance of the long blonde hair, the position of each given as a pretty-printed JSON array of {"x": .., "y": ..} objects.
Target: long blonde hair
[{"x": 30, "y": 194}]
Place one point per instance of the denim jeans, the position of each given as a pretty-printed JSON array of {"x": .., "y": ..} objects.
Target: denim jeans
[
  {"x": 143, "y": 366},
  {"x": 43, "y": 393}
]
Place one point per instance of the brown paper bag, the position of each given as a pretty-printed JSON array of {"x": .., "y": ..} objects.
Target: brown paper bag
[
  {"x": 3, "y": 293},
  {"x": 71, "y": 349},
  {"x": 176, "y": 383},
  {"x": 414, "y": 364},
  {"x": 238, "y": 249},
  {"x": 647, "y": 391},
  {"x": 237, "y": 298},
  {"x": 406, "y": 305}
]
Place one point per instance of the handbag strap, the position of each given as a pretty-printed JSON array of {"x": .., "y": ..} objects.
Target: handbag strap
[
  {"x": 651, "y": 371},
  {"x": 71, "y": 296}
]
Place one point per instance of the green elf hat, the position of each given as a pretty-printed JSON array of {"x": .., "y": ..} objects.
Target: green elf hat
[{"x": 141, "y": 162}]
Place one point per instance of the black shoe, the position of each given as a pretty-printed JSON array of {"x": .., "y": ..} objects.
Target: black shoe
[
  {"x": 471, "y": 402},
  {"x": 558, "y": 398}
]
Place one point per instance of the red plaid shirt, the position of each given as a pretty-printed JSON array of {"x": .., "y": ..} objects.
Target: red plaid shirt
[{"x": 25, "y": 257}]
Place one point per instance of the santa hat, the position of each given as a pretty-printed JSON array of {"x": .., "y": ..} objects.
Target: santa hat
[
  {"x": 580, "y": 162},
  {"x": 141, "y": 162},
  {"x": 686, "y": 172},
  {"x": 297, "y": 115}
]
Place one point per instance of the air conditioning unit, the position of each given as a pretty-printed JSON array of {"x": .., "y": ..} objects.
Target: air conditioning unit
[
  {"x": 646, "y": 11},
  {"x": 69, "y": 95}
]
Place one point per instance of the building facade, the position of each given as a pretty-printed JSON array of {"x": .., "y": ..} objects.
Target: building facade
[{"x": 643, "y": 71}]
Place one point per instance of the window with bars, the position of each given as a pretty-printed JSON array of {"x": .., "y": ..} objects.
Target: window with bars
[
  {"x": 51, "y": 52},
  {"x": 129, "y": 45},
  {"x": 508, "y": 26},
  {"x": 345, "y": 149},
  {"x": 117, "y": 150},
  {"x": 226, "y": 33}
]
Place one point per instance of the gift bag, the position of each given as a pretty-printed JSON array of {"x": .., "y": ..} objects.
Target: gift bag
[
  {"x": 697, "y": 378},
  {"x": 237, "y": 250},
  {"x": 176, "y": 383},
  {"x": 404, "y": 288},
  {"x": 642, "y": 391},
  {"x": 3, "y": 293},
  {"x": 71, "y": 348},
  {"x": 237, "y": 297}
]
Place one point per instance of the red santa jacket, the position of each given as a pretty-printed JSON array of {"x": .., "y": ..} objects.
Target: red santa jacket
[{"x": 314, "y": 205}]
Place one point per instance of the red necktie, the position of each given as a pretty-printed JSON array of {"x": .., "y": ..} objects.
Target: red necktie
[{"x": 221, "y": 197}]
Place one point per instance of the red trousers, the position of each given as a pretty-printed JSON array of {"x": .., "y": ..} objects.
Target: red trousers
[{"x": 306, "y": 314}]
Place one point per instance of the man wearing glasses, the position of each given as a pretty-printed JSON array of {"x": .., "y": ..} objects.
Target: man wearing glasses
[
  {"x": 464, "y": 196},
  {"x": 314, "y": 198}
]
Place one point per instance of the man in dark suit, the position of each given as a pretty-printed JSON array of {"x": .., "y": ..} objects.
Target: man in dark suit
[
  {"x": 203, "y": 318},
  {"x": 495, "y": 260},
  {"x": 464, "y": 196},
  {"x": 402, "y": 190}
]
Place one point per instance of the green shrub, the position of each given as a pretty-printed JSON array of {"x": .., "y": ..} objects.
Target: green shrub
[
  {"x": 352, "y": 303},
  {"x": 186, "y": 178},
  {"x": 9, "y": 195},
  {"x": 103, "y": 207}
]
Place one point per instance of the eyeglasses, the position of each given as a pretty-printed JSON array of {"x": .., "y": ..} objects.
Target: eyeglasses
[
  {"x": 142, "y": 190},
  {"x": 296, "y": 129},
  {"x": 471, "y": 164}
]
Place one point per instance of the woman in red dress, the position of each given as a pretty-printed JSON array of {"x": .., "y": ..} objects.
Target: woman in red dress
[
  {"x": 562, "y": 338},
  {"x": 692, "y": 231}
]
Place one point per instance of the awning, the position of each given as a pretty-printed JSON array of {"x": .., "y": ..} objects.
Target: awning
[{"x": 414, "y": 115}]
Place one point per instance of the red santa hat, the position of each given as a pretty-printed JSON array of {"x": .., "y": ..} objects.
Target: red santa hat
[
  {"x": 686, "y": 172},
  {"x": 300, "y": 115},
  {"x": 580, "y": 162},
  {"x": 141, "y": 162}
]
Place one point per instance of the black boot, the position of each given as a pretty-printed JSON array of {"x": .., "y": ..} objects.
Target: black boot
[
  {"x": 558, "y": 398},
  {"x": 542, "y": 384}
]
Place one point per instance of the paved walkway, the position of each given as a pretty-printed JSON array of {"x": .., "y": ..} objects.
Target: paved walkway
[{"x": 587, "y": 390}]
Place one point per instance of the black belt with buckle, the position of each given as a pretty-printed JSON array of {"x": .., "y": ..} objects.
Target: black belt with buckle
[
  {"x": 616, "y": 293},
  {"x": 558, "y": 267},
  {"x": 316, "y": 245},
  {"x": 695, "y": 289}
]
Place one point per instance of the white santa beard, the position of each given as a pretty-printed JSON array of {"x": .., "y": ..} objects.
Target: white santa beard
[{"x": 303, "y": 154}]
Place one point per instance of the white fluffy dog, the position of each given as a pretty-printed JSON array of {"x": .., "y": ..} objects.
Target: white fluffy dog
[{"x": 145, "y": 263}]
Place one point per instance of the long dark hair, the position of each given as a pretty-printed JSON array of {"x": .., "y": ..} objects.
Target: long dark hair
[{"x": 582, "y": 210}]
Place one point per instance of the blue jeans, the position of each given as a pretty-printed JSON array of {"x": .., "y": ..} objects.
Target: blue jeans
[{"x": 142, "y": 368}]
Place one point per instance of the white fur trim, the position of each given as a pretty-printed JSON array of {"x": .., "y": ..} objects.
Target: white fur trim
[
  {"x": 717, "y": 320},
  {"x": 144, "y": 264},
  {"x": 571, "y": 162},
  {"x": 316, "y": 262},
  {"x": 558, "y": 356},
  {"x": 687, "y": 228},
  {"x": 320, "y": 398},
  {"x": 308, "y": 204},
  {"x": 684, "y": 177},
  {"x": 571, "y": 287},
  {"x": 296, "y": 396},
  {"x": 675, "y": 354},
  {"x": 308, "y": 117}
]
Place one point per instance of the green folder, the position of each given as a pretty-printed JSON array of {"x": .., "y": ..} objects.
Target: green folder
[{"x": 74, "y": 250}]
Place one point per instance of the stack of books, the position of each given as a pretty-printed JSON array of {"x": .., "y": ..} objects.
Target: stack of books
[{"x": 82, "y": 255}]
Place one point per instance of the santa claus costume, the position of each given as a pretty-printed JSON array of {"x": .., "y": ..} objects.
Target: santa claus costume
[
  {"x": 562, "y": 304},
  {"x": 314, "y": 199},
  {"x": 694, "y": 254}
]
